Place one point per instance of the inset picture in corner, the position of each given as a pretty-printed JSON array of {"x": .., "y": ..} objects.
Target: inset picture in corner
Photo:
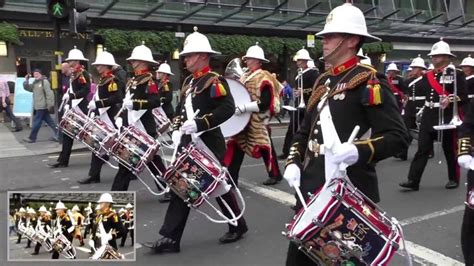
[{"x": 71, "y": 226}]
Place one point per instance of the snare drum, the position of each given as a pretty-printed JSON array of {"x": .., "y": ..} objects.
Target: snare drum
[
  {"x": 161, "y": 120},
  {"x": 134, "y": 149},
  {"x": 342, "y": 226},
  {"x": 194, "y": 174},
  {"x": 98, "y": 136},
  {"x": 72, "y": 122}
]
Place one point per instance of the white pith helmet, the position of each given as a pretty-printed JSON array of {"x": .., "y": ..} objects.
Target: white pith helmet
[
  {"x": 197, "y": 43},
  {"x": 75, "y": 55}
]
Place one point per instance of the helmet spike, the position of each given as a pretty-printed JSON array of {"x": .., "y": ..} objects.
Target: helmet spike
[{"x": 195, "y": 28}]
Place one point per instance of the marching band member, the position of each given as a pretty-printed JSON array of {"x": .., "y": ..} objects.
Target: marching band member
[
  {"x": 397, "y": 84},
  {"x": 437, "y": 87},
  {"x": 165, "y": 88},
  {"x": 465, "y": 160},
  {"x": 80, "y": 87},
  {"x": 414, "y": 99},
  {"x": 31, "y": 221},
  {"x": 128, "y": 223},
  {"x": 467, "y": 66},
  {"x": 63, "y": 224},
  {"x": 20, "y": 217},
  {"x": 357, "y": 95},
  {"x": 255, "y": 139},
  {"x": 107, "y": 103},
  {"x": 209, "y": 93},
  {"x": 88, "y": 219},
  {"x": 143, "y": 95},
  {"x": 78, "y": 223},
  {"x": 109, "y": 219},
  {"x": 44, "y": 221},
  {"x": 309, "y": 76}
]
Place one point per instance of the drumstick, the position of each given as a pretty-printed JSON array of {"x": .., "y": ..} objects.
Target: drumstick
[{"x": 300, "y": 196}]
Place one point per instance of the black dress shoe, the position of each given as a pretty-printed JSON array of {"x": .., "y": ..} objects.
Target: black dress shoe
[
  {"x": 272, "y": 181},
  {"x": 163, "y": 244},
  {"x": 18, "y": 129},
  {"x": 451, "y": 184},
  {"x": 34, "y": 253},
  {"x": 89, "y": 180},
  {"x": 165, "y": 198},
  {"x": 410, "y": 185},
  {"x": 57, "y": 165},
  {"x": 230, "y": 237},
  {"x": 282, "y": 156}
]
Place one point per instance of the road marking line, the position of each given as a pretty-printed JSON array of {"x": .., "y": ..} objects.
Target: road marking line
[
  {"x": 419, "y": 253},
  {"x": 432, "y": 215},
  {"x": 83, "y": 249},
  {"x": 426, "y": 256}
]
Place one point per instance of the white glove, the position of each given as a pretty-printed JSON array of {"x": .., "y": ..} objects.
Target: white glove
[
  {"x": 247, "y": 108},
  {"x": 346, "y": 153},
  {"x": 189, "y": 127},
  {"x": 119, "y": 122},
  {"x": 292, "y": 175},
  {"x": 91, "y": 105},
  {"x": 465, "y": 161},
  {"x": 128, "y": 103},
  {"x": 66, "y": 97},
  {"x": 176, "y": 137}
]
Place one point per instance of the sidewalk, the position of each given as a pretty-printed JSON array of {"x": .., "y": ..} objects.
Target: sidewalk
[{"x": 12, "y": 144}]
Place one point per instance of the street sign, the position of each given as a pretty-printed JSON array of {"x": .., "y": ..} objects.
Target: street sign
[{"x": 310, "y": 41}]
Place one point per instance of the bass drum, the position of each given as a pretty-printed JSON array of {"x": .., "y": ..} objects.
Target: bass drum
[{"x": 236, "y": 123}]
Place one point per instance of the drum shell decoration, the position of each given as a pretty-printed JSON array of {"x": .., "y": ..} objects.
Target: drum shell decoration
[
  {"x": 349, "y": 230},
  {"x": 203, "y": 173},
  {"x": 73, "y": 122},
  {"x": 161, "y": 120},
  {"x": 134, "y": 149},
  {"x": 98, "y": 136}
]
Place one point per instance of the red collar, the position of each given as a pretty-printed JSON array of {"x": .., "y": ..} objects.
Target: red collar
[
  {"x": 141, "y": 72},
  {"x": 107, "y": 74},
  {"x": 78, "y": 69},
  {"x": 344, "y": 66},
  {"x": 164, "y": 80},
  {"x": 439, "y": 69},
  {"x": 201, "y": 73}
]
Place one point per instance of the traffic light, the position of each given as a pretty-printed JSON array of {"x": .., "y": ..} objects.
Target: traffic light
[
  {"x": 58, "y": 9},
  {"x": 77, "y": 20}
]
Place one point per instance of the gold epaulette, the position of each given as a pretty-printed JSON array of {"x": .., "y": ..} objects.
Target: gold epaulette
[
  {"x": 318, "y": 91},
  {"x": 209, "y": 81}
]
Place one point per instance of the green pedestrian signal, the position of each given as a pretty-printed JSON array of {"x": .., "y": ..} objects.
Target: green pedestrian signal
[{"x": 58, "y": 9}]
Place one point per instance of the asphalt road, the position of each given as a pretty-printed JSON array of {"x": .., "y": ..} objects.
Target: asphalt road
[{"x": 431, "y": 217}]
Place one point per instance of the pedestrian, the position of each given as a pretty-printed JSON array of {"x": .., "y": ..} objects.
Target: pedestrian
[
  {"x": 78, "y": 90},
  {"x": 43, "y": 104},
  {"x": 5, "y": 98},
  {"x": 11, "y": 225},
  {"x": 306, "y": 77},
  {"x": 438, "y": 88},
  {"x": 357, "y": 96},
  {"x": 210, "y": 94},
  {"x": 287, "y": 96}
]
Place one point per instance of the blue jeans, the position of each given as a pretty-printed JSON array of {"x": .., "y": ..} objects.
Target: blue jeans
[{"x": 40, "y": 116}]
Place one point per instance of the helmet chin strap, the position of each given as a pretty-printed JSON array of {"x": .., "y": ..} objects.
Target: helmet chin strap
[{"x": 335, "y": 49}]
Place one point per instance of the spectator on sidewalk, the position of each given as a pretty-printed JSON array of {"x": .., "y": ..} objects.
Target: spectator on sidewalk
[
  {"x": 65, "y": 83},
  {"x": 11, "y": 225},
  {"x": 5, "y": 104},
  {"x": 287, "y": 96},
  {"x": 43, "y": 105}
]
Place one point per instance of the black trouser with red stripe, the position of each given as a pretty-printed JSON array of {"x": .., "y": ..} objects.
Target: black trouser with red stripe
[
  {"x": 467, "y": 228},
  {"x": 124, "y": 176},
  {"x": 292, "y": 128},
  {"x": 425, "y": 143}
]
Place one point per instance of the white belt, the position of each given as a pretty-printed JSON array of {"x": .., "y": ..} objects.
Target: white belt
[
  {"x": 416, "y": 98},
  {"x": 432, "y": 104}
]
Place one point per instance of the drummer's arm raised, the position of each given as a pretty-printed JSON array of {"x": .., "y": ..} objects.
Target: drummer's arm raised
[
  {"x": 221, "y": 98},
  {"x": 389, "y": 135}
]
